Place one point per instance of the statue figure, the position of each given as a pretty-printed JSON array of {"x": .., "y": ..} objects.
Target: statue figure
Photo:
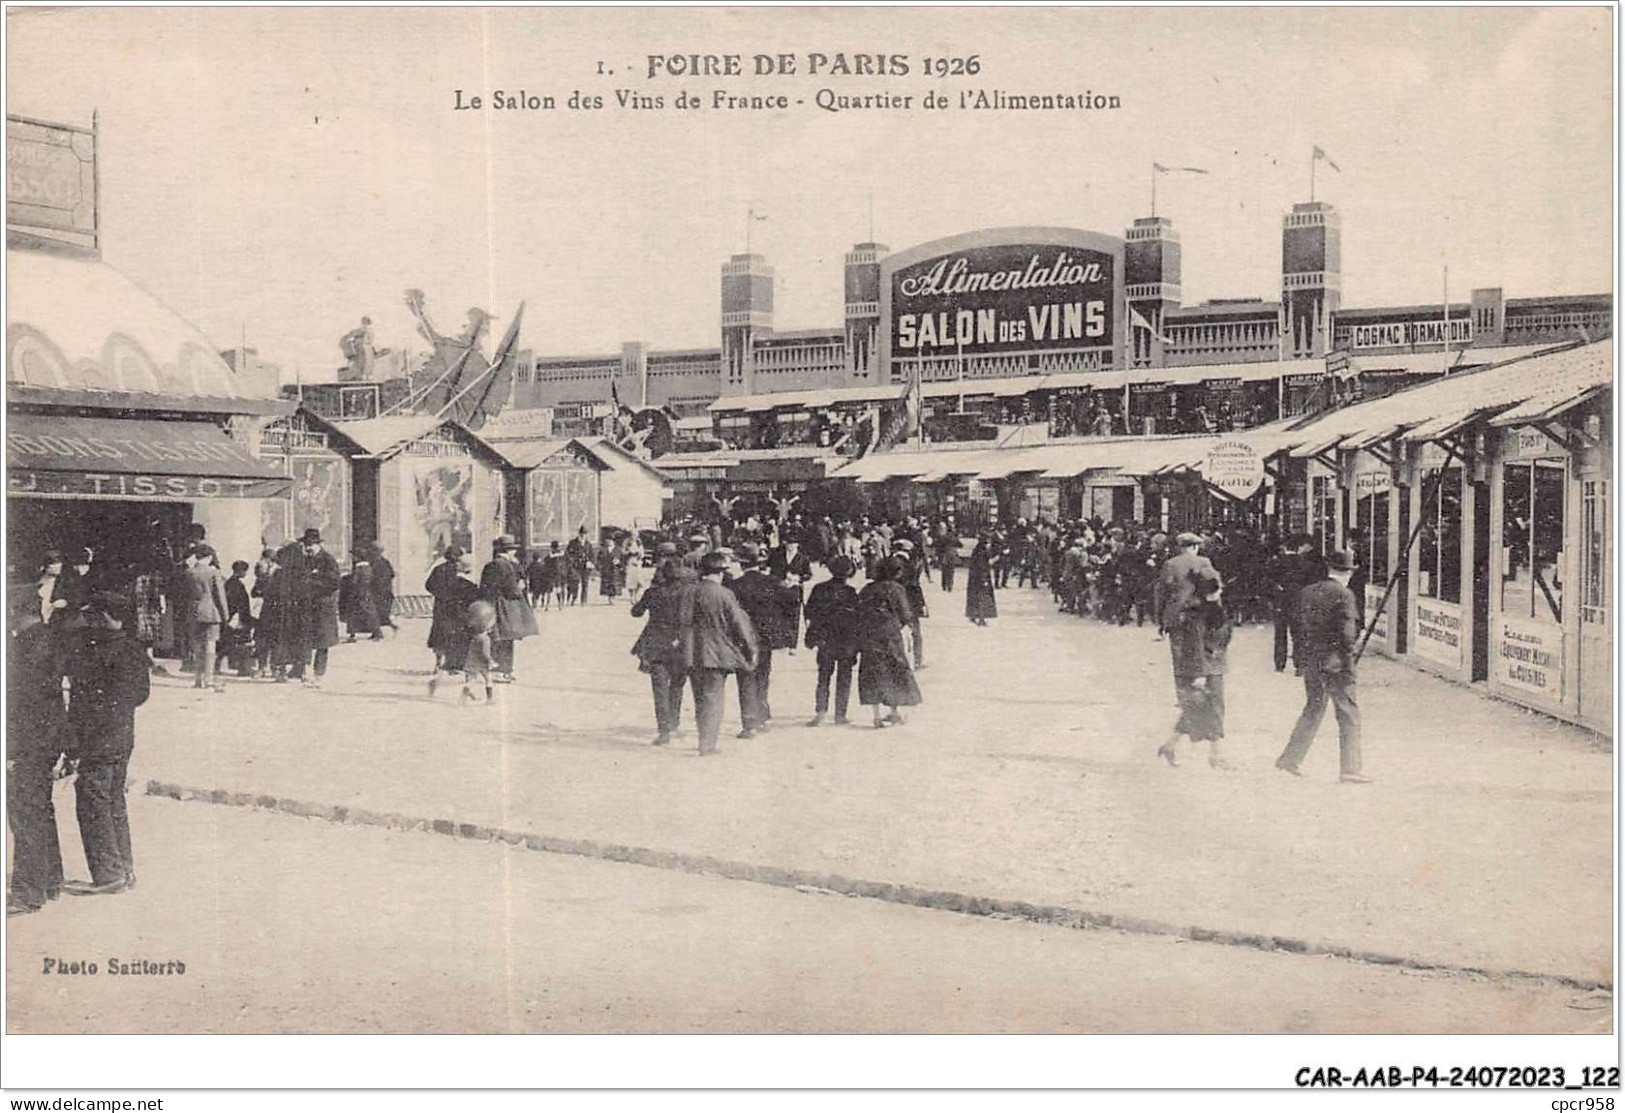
[{"x": 359, "y": 354}]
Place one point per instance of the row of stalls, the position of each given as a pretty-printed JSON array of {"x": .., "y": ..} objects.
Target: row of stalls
[
  {"x": 127, "y": 435},
  {"x": 1154, "y": 480},
  {"x": 1478, "y": 503},
  {"x": 416, "y": 485}
]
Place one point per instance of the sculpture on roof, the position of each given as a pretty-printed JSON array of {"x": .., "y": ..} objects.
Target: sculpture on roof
[
  {"x": 457, "y": 380},
  {"x": 646, "y": 432}
]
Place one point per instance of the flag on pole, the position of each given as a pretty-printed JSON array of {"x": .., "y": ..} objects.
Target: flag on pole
[
  {"x": 1140, "y": 319},
  {"x": 1161, "y": 169},
  {"x": 1322, "y": 156}
]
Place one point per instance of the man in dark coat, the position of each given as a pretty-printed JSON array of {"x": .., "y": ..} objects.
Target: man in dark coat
[
  {"x": 659, "y": 648},
  {"x": 1294, "y": 569},
  {"x": 832, "y": 630},
  {"x": 108, "y": 680},
  {"x": 1326, "y": 632},
  {"x": 717, "y": 639},
  {"x": 946, "y": 543},
  {"x": 502, "y": 585},
  {"x": 313, "y": 599},
  {"x": 577, "y": 567},
  {"x": 772, "y": 609},
  {"x": 35, "y": 732}
]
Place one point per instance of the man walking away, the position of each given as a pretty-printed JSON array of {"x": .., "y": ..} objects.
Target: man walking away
[
  {"x": 1327, "y": 626},
  {"x": 717, "y": 639},
  {"x": 659, "y": 647},
  {"x": 770, "y": 606},
  {"x": 832, "y": 630},
  {"x": 108, "y": 680}
]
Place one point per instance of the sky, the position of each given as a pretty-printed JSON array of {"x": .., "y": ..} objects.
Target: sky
[{"x": 275, "y": 174}]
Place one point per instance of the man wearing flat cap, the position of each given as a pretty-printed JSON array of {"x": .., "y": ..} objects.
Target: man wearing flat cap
[
  {"x": 717, "y": 639},
  {"x": 1180, "y": 615}
]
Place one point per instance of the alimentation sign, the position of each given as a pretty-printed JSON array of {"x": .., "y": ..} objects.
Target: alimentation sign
[{"x": 1003, "y": 292}]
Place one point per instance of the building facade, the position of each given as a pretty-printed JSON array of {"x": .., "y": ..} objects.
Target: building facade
[{"x": 1006, "y": 309}]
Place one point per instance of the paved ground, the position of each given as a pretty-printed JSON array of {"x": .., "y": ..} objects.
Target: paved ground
[
  {"x": 297, "y": 924},
  {"x": 1028, "y": 774}
]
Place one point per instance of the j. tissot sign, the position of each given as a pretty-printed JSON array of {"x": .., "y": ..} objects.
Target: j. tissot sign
[{"x": 1033, "y": 290}]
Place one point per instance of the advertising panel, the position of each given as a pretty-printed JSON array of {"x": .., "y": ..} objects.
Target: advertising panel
[
  {"x": 1002, "y": 292},
  {"x": 1529, "y": 657},
  {"x": 1438, "y": 632},
  {"x": 438, "y": 511},
  {"x": 1234, "y": 467}
]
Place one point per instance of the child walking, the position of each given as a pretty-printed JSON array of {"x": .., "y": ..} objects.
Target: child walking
[{"x": 477, "y": 665}]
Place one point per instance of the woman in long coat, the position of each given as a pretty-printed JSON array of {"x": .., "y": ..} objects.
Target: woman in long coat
[
  {"x": 1199, "y": 643},
  {"x": 884, "y": 678},
  {"x": 503, "y": 586},
  {"x": 357, "y": 604},
  {"x": 448, "y": 626},
  {"x": 273, "y": 631},
  {"x": 979, "y": 602},
  {"x": 611, "y": 569}
]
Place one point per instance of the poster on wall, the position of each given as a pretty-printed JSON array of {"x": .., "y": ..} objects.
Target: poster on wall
[
  {"x": 582, "y": 494},
  {"x": 438, "y": 511},
  {"x": 1529, "y": 657},
  {"x": 547, "y": 507},
  {"x": 1438, "y": 632},
  {"x": 316, "y": 499}
]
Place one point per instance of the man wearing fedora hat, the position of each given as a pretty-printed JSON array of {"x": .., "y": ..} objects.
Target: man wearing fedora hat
[
  {"x": 1326, "y": 628},
  {"x": 314, "y": 580}
]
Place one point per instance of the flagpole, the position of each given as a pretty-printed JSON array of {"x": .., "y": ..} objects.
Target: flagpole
[
  {"x": 1313, "y": 158},
  {"x": 1447, "y": 318},
  {"x": 1153, "y": 191},
  {"x": 959, "y": 345}
]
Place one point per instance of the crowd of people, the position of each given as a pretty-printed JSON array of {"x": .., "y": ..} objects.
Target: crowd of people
[{"x": 719, "y": 598}]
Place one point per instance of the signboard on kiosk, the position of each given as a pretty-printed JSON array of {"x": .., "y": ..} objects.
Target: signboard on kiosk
[
  {"x": 50, "y": 184},
  {"x": 1438, "y": 632},
  {"x": 1529, "y": 657},
  {"x": 1004, "y": 292}
]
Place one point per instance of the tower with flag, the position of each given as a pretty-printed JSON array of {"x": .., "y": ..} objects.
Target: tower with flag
[{"x": 1151, "y": 277}]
